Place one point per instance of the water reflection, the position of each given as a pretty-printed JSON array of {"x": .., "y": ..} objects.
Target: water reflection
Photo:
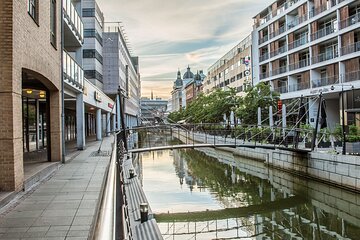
[{"x": 228, "y": 197}]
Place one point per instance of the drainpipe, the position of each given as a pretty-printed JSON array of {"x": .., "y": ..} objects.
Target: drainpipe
[{"x": 62, "y": 86}]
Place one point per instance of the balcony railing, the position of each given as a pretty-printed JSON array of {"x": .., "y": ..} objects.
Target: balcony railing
[
  {"x": 299, "y": 86},
  {"x": 298, "y": 20},
  {"x": 73, "y": 18},
  {"x": 300, "y": 64},
  {"x": 352, "y": 76},
  {"x": 264, "y": 39},
  {"x": 73, "y": 73},
  {"x": 325, "y": 81},
  {"x": 278, "y": 32},
  {"x": 264, "y": 75},
  {"x": 281, "y": 89},
  {"x": 322, "y": 32},
  {"x": 322, "y": 8},
  {"x": 298, "y": 42},
  {"x": 350, "y": 21},
  {"x": 264, "y": 57},
  {"x": 324, "y": 57},
  {"x": 279, "y": 70},
  {"x": 278, "y": 51},
  {"x": 355, "y": 47}
]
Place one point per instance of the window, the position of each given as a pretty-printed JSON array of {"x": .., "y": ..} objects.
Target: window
[
  {"x": 53, "y": 23},
  {"x": 33, "y": 9},
  {"x": 88, "y": 12},
  {"x": 93, "y": 74},
  {"x": 93, "y": 33},
  {"x": 92, "y": 53}
]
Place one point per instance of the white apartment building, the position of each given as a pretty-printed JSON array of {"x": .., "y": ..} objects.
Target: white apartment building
[{"x": 304, "y": 47}]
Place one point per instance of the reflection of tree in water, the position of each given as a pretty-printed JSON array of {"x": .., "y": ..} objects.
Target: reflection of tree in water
[{"x": 225, "y": 180}]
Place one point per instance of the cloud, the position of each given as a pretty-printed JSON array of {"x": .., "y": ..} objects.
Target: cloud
[{"x": 167, "y": 35}]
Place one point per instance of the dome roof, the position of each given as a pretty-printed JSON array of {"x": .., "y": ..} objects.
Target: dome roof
[
  {"x": 178, "y": 82},
  {"x": 188, "y": 74}
]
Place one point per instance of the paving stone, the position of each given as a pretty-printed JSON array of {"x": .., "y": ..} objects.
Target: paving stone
[
  {"x": 59, "y": 213},
  {"x": 82, "y": 220},
  {"x": 57, "y": 221}
]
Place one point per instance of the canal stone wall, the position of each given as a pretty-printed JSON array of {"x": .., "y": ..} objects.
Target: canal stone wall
[
  {"x": 340, "y": 170},
  {"x": 331, "y": 199}
]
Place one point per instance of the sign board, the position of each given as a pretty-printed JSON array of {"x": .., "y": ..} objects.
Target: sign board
[{"x": 97, "y": 96}]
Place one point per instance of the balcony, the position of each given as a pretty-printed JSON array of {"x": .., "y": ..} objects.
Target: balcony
[
  {"x": 298, "y": 65},
  {"x": 281, "y": 89},
  {"x": 278, "y": 51},
  {"x": 299, "y": 42},
  {"x": 350, "y": 21},
  {"x": 299, "y": 86},
  {"x": 280, "y": 70},
  {"x": 278, "y": 32},
  {"x": 355, "y": 47},
  {"x": 264, "y": 75},
  {"x": 298, "y": 20},
  {"x": 73, "y": 73},
  {"x": 324, "y": 57},
  {"x": 322, "y": 8},
  {"x": 352, "y": 76},
  {"x": 325, "y": 81},
  {"x": 264, "y": 57},
  {"x": 322, "y": 32},
  {"x": 264, "y": 39},
  {"x": 73, "y": 20}
]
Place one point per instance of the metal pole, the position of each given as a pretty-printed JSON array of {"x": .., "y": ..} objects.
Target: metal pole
[
  {"x": 343, "y": 121},
  {"x": 316, "y": 124},
  {"x": 63, "y": 151}
]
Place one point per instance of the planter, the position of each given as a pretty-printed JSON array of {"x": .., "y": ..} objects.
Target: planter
[{"x": 353, "y": 148}]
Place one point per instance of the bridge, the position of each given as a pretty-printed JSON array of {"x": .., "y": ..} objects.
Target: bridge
[{"x": 216, "y": 136}]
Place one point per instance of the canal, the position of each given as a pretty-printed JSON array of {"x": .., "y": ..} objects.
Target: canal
[{"x": 212, "y": 194}]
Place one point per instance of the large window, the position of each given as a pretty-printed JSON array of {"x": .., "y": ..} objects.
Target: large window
[
  {"x": 88, "y": 12},
  {"x": 93, "y": 74},
  {"x": 92, "y": 53},
  {"x": 93, "y": 33},
  {"x": 53, "y": 22},
  {"x": 33, "y": 9}
]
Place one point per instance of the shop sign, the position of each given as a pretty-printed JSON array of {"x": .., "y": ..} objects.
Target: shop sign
[
  {"x": 97, "y": 96},
  {"x": 110, "y": 105}
]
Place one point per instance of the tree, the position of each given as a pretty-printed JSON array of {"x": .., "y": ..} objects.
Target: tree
[{"x": 256, "y": 96}]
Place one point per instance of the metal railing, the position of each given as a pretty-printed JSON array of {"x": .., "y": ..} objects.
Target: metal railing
[
  {"x": 299, "y": 86},
  {"x": 352, "y": 76},
  {"x": 73, "y": 18},
  {"x": 355, "y": 47},
  {"x": 282, "y": 89},
  {"x": 280, "y": 70},
  {"x": 323, "y": 32},
  {"x": 264, "y": 57},
  {"x": 325, "y": 81},
  {"x": 298, "y": 42},
  {"x": 264, "y": 75},
  {"x": 278, "y": 32},
  {"x": 322, "y": 8},
  {"x": 350, "y": 21},
  {"x": 324, "y": 57},
  {"x": 73, "y": 73},
  {"x": 298, "y": 20},
  {"x": 300, "y": 64},
  {"x": 263, "y": 39},
  {"x": 113, "y": 219},
  {"x": 278, "y": 51}
]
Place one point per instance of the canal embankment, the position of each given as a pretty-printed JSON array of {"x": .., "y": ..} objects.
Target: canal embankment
[{"x": 340, "y": 170}]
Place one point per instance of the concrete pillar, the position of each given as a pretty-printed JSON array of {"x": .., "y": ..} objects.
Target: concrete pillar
[
  {"x": 283, "y": 117},
  {"x": 80, "y": 122},
  {"x": 37, "y": 124},
  {"x": 259, "y": 116},
  {"x": 113, "y": 122},
  {"x": 98, "y": 125},
  {"x": 108, "y": 123},
  {"x": 118, "y": 112},
  {"x": 271, "y": 118}
]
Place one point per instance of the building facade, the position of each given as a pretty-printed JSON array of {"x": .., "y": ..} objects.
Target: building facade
[
  {"x": 121, "y": 70},
  {"x": 194, "y": 87},
  {"x": 153, "y": 110},
  {"x": 30, "y": 66},
  {"x": 232, "y": 70},
  {"x": 304, "y": 48}
]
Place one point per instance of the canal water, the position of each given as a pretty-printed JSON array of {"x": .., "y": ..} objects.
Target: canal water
[{"x": 212, "y": 194}]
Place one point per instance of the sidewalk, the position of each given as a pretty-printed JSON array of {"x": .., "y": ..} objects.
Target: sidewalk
[{"x": 65, "y": 205}]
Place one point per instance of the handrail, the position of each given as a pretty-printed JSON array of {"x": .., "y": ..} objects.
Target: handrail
[{"x": 105, "y": 226}]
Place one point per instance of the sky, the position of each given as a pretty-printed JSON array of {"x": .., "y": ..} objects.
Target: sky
[{"x": 168, "y": 35}]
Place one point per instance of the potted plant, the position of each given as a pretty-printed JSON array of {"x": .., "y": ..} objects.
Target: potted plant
[{"x": 353, "y": 140}]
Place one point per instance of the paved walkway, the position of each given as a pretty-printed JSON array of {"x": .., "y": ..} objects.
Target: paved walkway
[{"x": 62, "y": 207}]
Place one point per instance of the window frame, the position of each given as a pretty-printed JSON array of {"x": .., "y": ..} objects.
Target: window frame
[
  {"x": 53, "y": 23},
  {"x": 33, "y": 10}
]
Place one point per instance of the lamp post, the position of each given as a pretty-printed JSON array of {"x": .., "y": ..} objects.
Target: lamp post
[{"x": 343, "y": 121}]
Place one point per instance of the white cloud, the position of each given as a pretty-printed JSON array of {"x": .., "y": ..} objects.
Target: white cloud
[{"x": 164, "y": 33}]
